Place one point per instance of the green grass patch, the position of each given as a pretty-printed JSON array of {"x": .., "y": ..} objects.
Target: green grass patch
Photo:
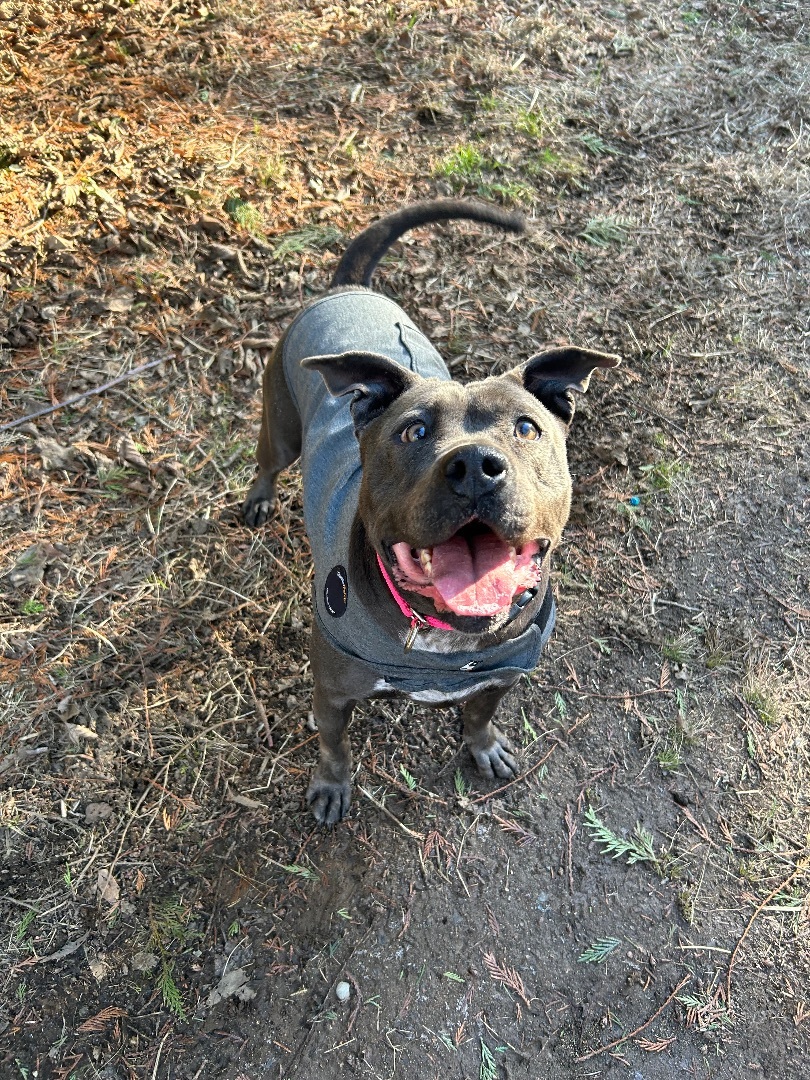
[
  {"x": 310, "y": 238},
  {"x": 243, "y": 213}
]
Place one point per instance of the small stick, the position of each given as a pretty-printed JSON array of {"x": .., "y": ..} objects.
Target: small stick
[
  {"x": 632, "y": 1035},
  {"x": 80, "y": 397},
  {"x": 408, "y": 832},
  {"x": 523, "y": 776},
  {"x": 571, "y": 829},
  {"x": 733, "y": 958},
  {"x": 358, "y": 1000}
]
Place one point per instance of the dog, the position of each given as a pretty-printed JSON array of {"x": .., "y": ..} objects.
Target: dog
[{"x": 432, "y": 507}]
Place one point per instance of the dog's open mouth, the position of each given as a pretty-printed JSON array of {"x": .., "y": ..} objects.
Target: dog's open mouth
[{"x": 474, "y": 573}]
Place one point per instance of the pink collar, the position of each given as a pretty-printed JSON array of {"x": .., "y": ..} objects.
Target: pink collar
[{"x": 416, "y": 620}]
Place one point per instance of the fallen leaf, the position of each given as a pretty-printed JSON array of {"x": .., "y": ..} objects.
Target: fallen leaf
[
  {"x": 30, "y": 567},
  {"x": 130, "y": 454},
  {"x": 108, "y": 887},
  {"x": 232, "y": 984},
  {"x": 54, "y": 455}
]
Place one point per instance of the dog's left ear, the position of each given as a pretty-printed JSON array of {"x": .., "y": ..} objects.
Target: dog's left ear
[
  {"x": 551, "y": 376},
  {"x": 375, "y": 381}
]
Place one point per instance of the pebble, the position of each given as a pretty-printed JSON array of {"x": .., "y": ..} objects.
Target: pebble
[{"x": 342, "y": 991}]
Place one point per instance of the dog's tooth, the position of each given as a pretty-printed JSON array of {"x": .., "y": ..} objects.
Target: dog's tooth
[
  {"x": 426, "y": 561},
  {"x": 512, "y": 552}
]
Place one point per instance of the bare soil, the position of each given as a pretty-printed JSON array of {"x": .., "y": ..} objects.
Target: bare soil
[{"x": 174, "y": 180}]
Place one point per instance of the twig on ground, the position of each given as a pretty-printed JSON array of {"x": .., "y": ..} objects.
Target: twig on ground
[
  {"x": 93, "y": 391},
  {"x": 638, "y": 1030},
  {"x": 757, "y": 912},
  {"x": 517, "y": 780},
  {"x": 408, "y": 832}
]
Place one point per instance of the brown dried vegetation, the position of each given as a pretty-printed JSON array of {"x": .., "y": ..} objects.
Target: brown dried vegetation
[{"x": 175, "y": 178}]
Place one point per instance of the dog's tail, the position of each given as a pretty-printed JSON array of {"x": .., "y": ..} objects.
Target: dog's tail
[{"x": 364, "y": 253}]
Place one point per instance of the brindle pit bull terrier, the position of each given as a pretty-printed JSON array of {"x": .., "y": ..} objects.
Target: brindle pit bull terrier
[{"x": 432, "y": 508}]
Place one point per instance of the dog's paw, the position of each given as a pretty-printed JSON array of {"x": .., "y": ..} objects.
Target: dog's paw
[
  {"x": 256, "y": 512},
  {"x": 329, "y": 800},
  {"x": 496, "y": 759},
  {"x": 261, "y": 500}
]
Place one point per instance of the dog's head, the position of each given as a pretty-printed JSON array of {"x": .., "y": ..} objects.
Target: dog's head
[{"x": 465, "y": 488}]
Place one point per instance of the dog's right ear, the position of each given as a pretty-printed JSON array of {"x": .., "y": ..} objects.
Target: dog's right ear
[{"x": 375, "y": 381}]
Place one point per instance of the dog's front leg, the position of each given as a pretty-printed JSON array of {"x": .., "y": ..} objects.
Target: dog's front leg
[
  {"x": 492, "y": 751},
  {"x": 340, "y": 683},
  {"x": 329, "y": 792}
]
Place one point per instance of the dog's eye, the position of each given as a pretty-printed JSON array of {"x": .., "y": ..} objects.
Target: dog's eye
[
  {"x": 526, "y": 429},
  {"x": 414, "y": 432}
]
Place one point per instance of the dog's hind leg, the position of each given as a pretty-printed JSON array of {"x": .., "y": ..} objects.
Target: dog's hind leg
[{"x": 279, "y": 442}]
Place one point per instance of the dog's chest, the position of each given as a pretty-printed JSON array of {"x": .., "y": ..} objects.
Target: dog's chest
[{"x": 431, "y": 697}]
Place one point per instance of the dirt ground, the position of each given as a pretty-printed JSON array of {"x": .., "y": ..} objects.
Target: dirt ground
[{"x": 174, "y": 180}]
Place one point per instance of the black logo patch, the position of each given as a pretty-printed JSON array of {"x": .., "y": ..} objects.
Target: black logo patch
[{"x": 336, "y": 591}]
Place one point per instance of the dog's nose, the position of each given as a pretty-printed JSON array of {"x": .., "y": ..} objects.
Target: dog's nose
[{"x": 475, "y": 470}]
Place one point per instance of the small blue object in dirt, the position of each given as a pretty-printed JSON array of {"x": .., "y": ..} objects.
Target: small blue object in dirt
[{"x": 634, "y": 500}]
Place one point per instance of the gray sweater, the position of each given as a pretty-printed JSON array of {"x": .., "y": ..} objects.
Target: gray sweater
[{"x": 330, "y": 464}]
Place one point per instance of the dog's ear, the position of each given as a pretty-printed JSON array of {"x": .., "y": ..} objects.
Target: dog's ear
[
  {"x": 375, "y": 381},
  {"x": 551, "y": 376}
]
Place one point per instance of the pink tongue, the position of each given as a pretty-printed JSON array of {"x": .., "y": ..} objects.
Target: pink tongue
[{"x": 475, "y": 577}]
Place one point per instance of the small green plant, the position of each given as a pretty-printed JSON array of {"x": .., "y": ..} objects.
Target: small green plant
[
  {"x": 604, "y": 231},
  {"x": 451, "y": 975},
  {"x": 489, "y": 1069},
  {"x": 301, "y": 871},
  {"x": 705, "y": 1011},
  {"x": 409, "y": 779},
  {"x": 663, "y": 474},
  {"x": 113, "y": 479},
  {"x": 170, "y": 992},
  {"x": 680, "y": 649},
  {"x": 548, "y": 164},
  {"x": 600, "y": 950},
  {"x": 636, "y": 518},
  {"x": 531, "y": 123},
  {"x": 168, "y": 921},
  {"x": 530, "y": 734},
  {"x": 639, "y": 848},
  {"x": 464, "y": 165},
  {"x": 241, "y": 211},
  {"x": 760, "y": 690},
  {"x": 461, "y": 785},
  {"x": 272, "y": 171},
  {"x": 32, "y": 607},
  {"x": 310, "y": 238},
  {"x": 233, "y": 929},
  {"x": 24, "y": 923},
  {"x": 668, "y": 754},
  {"x": 508, "y": 190},
  {"x": 595, "y": 144},
  {"x": 561, "y": 705}
]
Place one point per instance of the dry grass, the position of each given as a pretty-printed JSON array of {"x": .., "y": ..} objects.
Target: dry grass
[{"x": 174, "y": 181}]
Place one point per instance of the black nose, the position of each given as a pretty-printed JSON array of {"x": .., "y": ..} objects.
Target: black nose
[{"x": 475, "y": 470}]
